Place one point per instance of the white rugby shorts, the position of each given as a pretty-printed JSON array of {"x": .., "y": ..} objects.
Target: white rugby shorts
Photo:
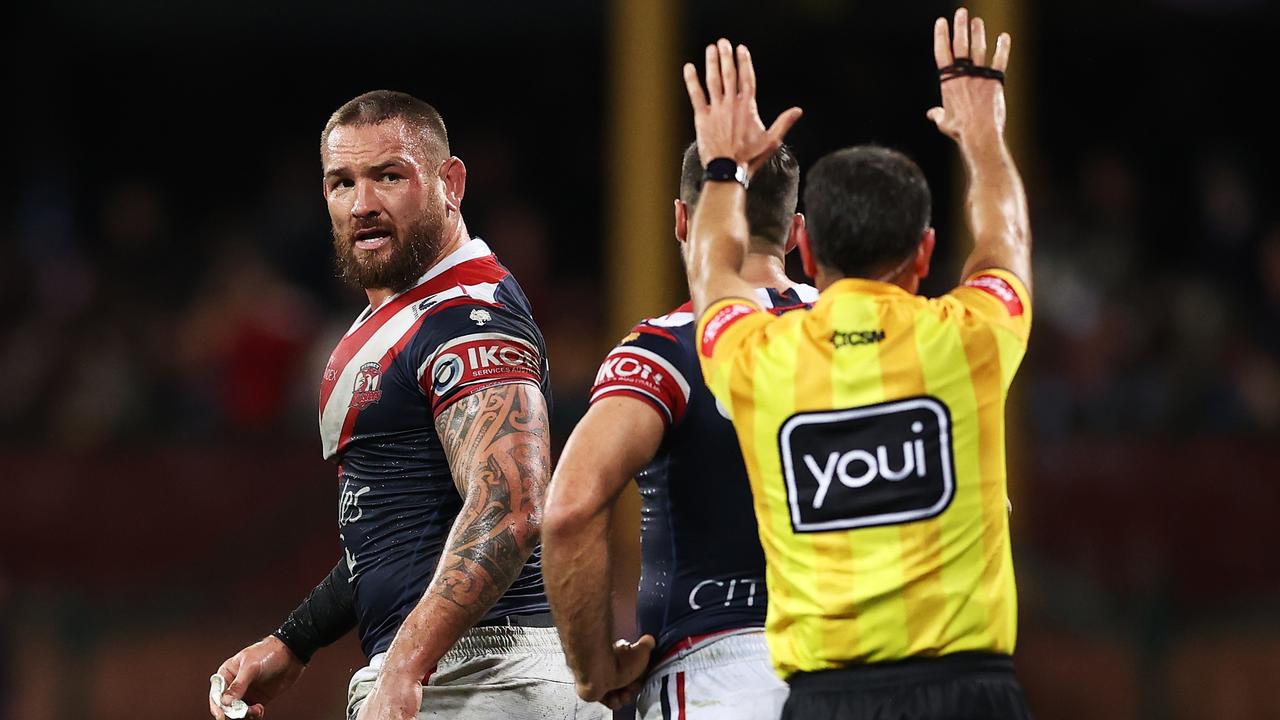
[
  {"x": 725, "y": 677},
  {"x": 494, "y": 673}
]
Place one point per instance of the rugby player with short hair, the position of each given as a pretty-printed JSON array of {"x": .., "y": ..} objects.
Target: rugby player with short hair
[
  {"x": 434, "y": 407},
  {"x": 702, "y": 595},
  {"x": 872, "y": 424}
]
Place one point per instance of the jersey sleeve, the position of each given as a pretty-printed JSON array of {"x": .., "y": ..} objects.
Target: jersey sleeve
[
  {"x": 727, "y": 333},
  {"x": 650, "y": 365},
  {"x": 998, "y": 298},
  {"x": 472, "y": 347}
]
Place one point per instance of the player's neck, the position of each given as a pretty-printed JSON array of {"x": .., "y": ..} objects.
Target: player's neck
[
  {"x": 766, "y": 270},
  {"x": 378, "y": 296}
]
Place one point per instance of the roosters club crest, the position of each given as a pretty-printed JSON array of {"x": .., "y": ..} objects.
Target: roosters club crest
[{"x": 366, "y": 391}]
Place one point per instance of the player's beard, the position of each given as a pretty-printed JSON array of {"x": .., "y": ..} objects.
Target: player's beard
[{"x": 399, "y": 265}]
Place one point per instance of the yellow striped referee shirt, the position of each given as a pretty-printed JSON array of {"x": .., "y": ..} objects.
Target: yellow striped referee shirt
[{"x": 872, "y": 427}]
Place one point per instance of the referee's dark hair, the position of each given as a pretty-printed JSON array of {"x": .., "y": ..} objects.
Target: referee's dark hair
[
  {"x": 379, "y": 106},
  {"x": 866, "y": 207},
  {"x": 771, "y": 196}
]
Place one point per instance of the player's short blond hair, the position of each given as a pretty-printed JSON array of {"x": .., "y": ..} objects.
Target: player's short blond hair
[
  {"x": 379, "y": 106},
  {"x": 771, "y": 197}
]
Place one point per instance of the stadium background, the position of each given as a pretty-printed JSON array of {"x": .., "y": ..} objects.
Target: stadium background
[{"x": 169, "y": 302}]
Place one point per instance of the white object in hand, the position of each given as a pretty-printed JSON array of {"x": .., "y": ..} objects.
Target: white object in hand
[{"x": 218, "y": 685}]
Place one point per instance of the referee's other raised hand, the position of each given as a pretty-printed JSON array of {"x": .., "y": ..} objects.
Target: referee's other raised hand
[
  {"x": 725, "y": 117},
  {"x": 973, "y": 114},
  {"x": 973, "y": 107}
]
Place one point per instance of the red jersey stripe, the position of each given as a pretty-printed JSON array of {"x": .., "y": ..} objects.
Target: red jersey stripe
[{"x": 481, "y": 270}]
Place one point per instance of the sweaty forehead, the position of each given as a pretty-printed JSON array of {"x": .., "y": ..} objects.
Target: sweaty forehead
[{"x": 370, "y": 145}]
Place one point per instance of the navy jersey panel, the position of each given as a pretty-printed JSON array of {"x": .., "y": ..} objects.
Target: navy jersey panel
[
  {"x": 466, "y": 327},
  {"x": 702, "y": 567}
]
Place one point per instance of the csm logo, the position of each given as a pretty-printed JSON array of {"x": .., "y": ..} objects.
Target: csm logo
[
  {"x": 878, "y": 465},
  {"x": 853, "y": 338}
]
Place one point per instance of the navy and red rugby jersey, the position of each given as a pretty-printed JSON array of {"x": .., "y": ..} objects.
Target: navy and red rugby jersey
[
  {"x": 702, "y": 568},
  {"x": 465, "y": 327}
]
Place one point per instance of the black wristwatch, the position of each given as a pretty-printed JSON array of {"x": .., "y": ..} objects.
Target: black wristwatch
[{"x": 722, "y": 169}]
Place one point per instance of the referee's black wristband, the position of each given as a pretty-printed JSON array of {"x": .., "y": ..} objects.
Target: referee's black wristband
[
  {"x": 325, "y": 615},
  {"x": 965, "y": 67}
]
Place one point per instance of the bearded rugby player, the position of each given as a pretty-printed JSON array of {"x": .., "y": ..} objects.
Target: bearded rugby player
[{"x": 434, "y": 408}]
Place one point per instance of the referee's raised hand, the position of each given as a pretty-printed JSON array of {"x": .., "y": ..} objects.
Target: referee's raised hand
[
  {"x": 973, "y": 108},
  {"x": 973, "y": 114},
  {"x": 725, "y": 117}
]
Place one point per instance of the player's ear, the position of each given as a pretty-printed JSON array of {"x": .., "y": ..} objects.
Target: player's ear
[
  {"x": 806, "y": 251},
  {"x": 924, "y": 253},
  {"x": 454, "y": 175},
  {"x": 793, "y": 234},
  {"x": 682, "y": 220}
]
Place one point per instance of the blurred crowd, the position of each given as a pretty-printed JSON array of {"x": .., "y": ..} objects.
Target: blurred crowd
[
  {"x": 1156, "y": 313},
  {"x": 134, "y": 320}
]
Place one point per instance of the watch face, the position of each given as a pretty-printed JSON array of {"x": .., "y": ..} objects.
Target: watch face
[{"x": 724, "y": 169}]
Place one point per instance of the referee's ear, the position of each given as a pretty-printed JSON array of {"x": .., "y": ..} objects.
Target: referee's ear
[{"x": 924, "y": 253}]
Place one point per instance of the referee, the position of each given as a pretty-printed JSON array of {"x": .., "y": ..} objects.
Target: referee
[{"x": 872, "y": 425}]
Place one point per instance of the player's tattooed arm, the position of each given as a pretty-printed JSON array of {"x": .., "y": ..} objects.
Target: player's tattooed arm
[
  {"x": 497, "y": 444},
  {"x": 498, "y": 449}
]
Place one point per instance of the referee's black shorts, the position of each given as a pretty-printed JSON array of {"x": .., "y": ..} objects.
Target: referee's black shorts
[{"x": 963, "y": 686}]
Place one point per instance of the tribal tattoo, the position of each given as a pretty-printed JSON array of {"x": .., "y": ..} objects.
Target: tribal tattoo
[{"x": 496, "y": 441}]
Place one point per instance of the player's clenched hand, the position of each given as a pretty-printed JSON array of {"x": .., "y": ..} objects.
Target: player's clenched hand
[
  {"x": 973, "y": 109},
  {"x": 725, "y": 116},
  {"x": 631, "y": 660},
  {"x": 257, "y": 675},
  {"x": 394, "y": 697}
]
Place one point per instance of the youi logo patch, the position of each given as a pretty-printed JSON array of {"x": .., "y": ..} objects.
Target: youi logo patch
[{"x": 877, "y": 465}]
